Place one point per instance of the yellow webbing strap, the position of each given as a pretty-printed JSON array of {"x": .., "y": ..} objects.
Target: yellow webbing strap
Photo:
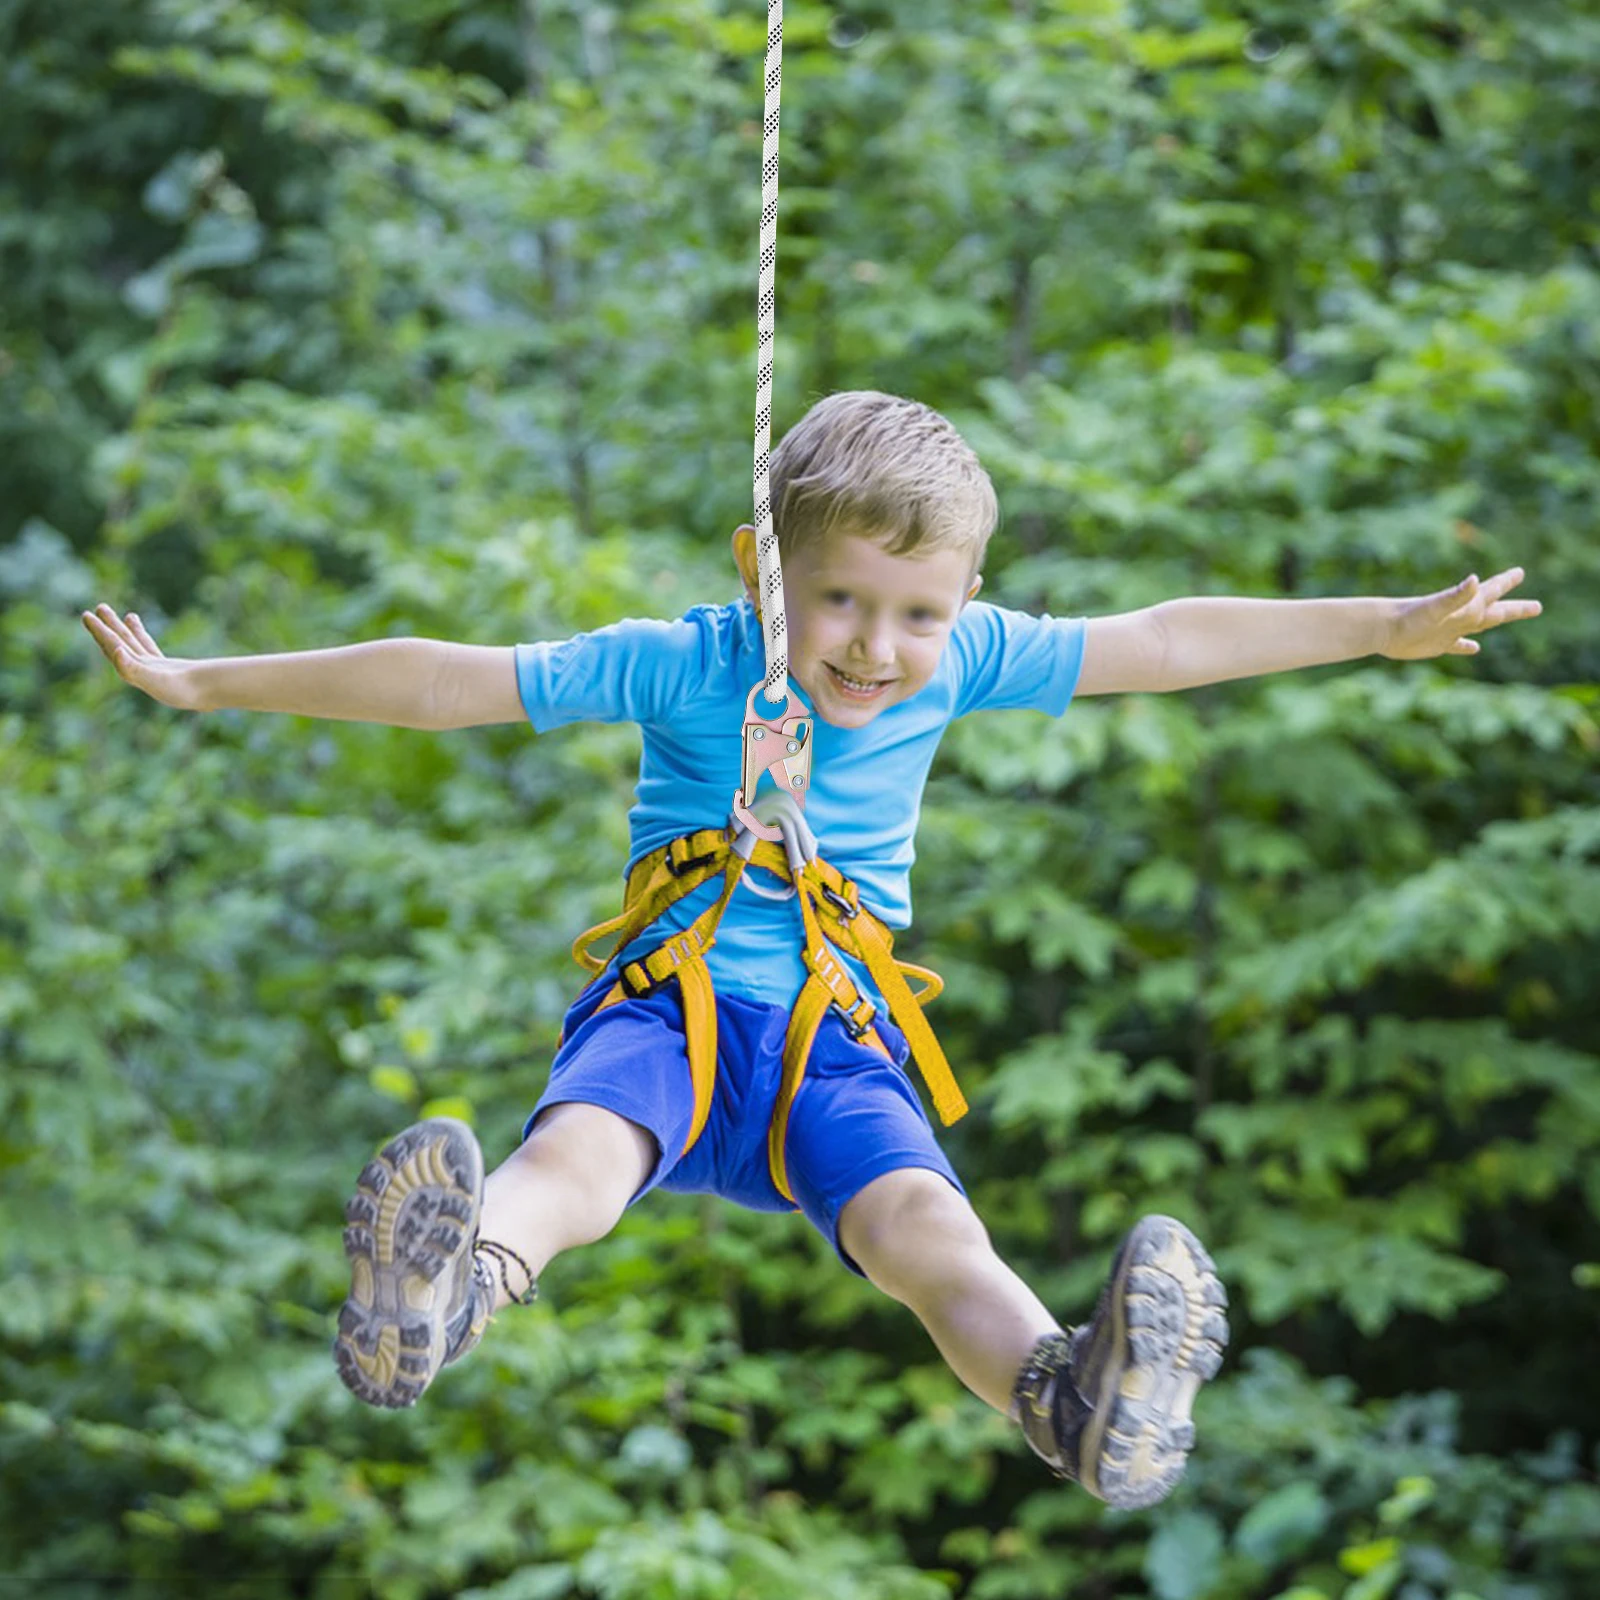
[
  {"x": 700, "y": 1034},
  {"x": 867, "y": 939},
  {"x": 669, "y": 875},
  {"x": 657, "y": 881},
  {"x": 829, "y": 984},
  {"x": 809, "y": 1009},
  {"x": 861, "y": 934}
]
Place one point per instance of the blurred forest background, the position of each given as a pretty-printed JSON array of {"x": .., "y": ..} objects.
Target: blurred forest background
[{"x": 326, "y": 320}]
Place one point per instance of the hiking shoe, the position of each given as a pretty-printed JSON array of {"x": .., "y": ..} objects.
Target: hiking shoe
[
  {"x": 1107, "y": 1405},
  {"x": 419, "y": 1296}
]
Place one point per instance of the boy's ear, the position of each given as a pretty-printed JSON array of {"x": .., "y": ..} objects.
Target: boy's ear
[
  {"x": 977, "y": 584},
  {"x": 744, "y": 558}
]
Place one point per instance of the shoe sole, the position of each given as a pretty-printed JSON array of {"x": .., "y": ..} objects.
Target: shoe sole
[
  {"x": 1167, "y": 1308},
  {"x": 413, "y": 1212}
]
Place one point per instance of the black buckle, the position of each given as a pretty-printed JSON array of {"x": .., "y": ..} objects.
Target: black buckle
[
  {"x": 637, "y": 991},
  {"x": 681, "y": 945},
  {"x": 690, "y": 865}
]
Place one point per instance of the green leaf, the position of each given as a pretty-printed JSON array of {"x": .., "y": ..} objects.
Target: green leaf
[
  {"x": 1184, "y": 1558},
  {"x": 1284, "y": 1524}
]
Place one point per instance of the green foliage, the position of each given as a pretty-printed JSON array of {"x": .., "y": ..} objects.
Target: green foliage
[{"x": 323, "y": 321}]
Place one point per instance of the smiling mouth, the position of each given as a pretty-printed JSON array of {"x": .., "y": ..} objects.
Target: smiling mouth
[{"x": 858, "y": 688}]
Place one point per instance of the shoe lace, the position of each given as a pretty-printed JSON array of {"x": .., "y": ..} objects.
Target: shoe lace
[
  {"x": 498, "y": 1256},
  {"x": 1047, "y": 1402}
]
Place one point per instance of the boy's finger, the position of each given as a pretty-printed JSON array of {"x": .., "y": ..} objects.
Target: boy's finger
[
  {"x": 116, "y": 627},
  {"x": 110, "y": 646},
  {"x": 113, "y": 637},
  {"x": 141, "y": 633},
  {"x": 101, "y": 634},
  {"x": 1501, "y": 582},
  {"x": 1512, "y": 611}
]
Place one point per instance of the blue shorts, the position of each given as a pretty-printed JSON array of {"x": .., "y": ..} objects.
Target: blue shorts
[{"x": 856, "y": 1117}]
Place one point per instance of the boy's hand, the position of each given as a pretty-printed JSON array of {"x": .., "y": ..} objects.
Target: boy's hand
[
  {"x": 138, "y": 659},
  {"x": 1439, "y": 624}
]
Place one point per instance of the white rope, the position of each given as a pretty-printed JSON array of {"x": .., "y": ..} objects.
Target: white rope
[{"x": 771, "y": 574}]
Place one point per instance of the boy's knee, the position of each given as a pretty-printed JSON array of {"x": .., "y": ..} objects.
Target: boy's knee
[
  {"x": 909, "y": 1227},
  {"x": 591, "y": 1142}
]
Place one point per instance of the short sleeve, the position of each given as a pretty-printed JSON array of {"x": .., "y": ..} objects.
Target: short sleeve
[
  {"x": 1014, "y": 661},
  {"x": 631, "y": 671}
]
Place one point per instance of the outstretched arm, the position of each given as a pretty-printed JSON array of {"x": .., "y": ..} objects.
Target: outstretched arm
[
  {"x": 406, "y": 683},
  {"x": 1182, "y": 644}
]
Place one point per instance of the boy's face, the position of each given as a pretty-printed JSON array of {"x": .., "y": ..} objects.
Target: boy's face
[{"x": 866, "y": 629}]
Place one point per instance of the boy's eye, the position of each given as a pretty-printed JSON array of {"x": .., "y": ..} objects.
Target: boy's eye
[{"x": 921, "y": 616}]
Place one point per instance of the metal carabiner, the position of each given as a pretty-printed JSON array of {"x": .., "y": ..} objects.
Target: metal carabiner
[{"x": 781, "y": 744}]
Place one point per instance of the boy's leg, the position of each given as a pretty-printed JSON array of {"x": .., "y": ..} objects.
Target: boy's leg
[
  {"x": 1107, "y": 1405},
  {"x": 920, "y": 1241},
  {"x": 434, "y": 1251},
  {"x": 567, "y": 1184}
]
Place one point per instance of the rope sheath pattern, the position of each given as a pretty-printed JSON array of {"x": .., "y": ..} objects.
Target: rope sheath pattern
[{"x": 776, "y": 632}]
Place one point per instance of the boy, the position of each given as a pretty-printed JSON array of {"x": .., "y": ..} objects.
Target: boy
[{"x": 883, "y": 515}]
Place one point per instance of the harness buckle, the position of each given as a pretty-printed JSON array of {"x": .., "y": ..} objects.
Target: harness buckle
[
  {"x": 847, "y": 911},
  {"x": 780, "y": 745},
  {"x": 691, "y": 865},
  {"x": 680, "y": 949},
  {"x": 854, "y": 1009},
  {"x": 858, "y": 1030},
  {"x": 640, "y": 987}
]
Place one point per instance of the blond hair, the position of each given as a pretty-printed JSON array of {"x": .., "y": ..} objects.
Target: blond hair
[{"x": 883, "y": 468}]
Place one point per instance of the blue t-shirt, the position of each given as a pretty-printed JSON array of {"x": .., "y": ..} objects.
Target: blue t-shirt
[{"x": 686, "y": 683}]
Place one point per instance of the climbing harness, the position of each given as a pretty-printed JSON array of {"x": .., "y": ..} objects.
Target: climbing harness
[
  {"x": 832, "y": 914},
  {"x": 784, "y": 740},
  {"x": 770, "y": 834}
]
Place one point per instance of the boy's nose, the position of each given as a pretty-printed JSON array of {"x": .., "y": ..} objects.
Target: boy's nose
[
  {"x": 871, "y": 662},
  {"x": 874, "y": 649}
]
